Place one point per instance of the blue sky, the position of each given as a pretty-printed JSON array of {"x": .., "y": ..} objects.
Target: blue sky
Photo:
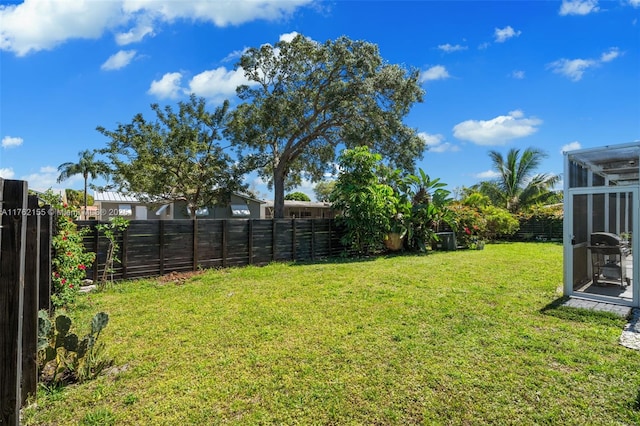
[{"x": 553, "y": 75}]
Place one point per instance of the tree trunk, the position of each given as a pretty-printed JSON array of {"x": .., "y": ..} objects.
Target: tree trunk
[{"x": 278, "y": 196}]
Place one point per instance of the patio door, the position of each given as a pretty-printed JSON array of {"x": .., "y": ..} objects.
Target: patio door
[{"x": 600, "y": 245}]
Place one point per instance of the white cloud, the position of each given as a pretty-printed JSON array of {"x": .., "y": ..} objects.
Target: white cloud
[
  {"x": 489, "y": 174},
  {"x": 574, "y": 69},
  {"x": 609, "y": 56},
  {"x": 578, "y": 7},
  {"x": 518, "y": 74},
  {"x": 288, "y": 37},
  {"x": 7, "y": 173},
  {"x": 135, "y": 34},
  {"x": 451, "y": 48},
  {"x": 167, "y": 87},
  {"x": 503, "y": 34},
  {"x": 47, "y": 178},
  {"x": 220, "y": 13},
  {"x": 118, "y": 60},
  {"x": 436, "y": 143},
  {"x": 235, "y": 55},
  {"x": 437, "y": 72},
  {"x": 40, "y": 25},
  {"x": 218, "y": 83},
  {"x": 11, "y": 141},
  {"x": 570, "y": 147},
  {"x": 497, "y": 131},
  {"x": 634, "y": 3}
]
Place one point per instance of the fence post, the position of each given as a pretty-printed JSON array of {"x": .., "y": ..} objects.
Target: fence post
[
  {"x": 195, "y": 244},
  {"x": 330, "y": 237},
  {"x": 273, "y": 240},
  {"x": 125, "y": 252},
  {"x": 96, "y": 246},
  {"x": 161, "y": 247},
  {"x": 12, "y": 268},
  {"x": 250, "y": 241},
  {"x": 30, "y": 315},
  {"x": 294, "y": 238},
  {"x": 224, "y": 242},
  {"x": 313, "y": 237},
  {"x": 44, "y": 282}
]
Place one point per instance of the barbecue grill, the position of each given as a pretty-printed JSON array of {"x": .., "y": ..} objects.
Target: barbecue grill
[{"x": 609, "y": 259}]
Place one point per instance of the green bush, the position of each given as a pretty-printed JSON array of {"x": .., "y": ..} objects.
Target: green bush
[
  {"x": 70, "y": 260},
  {"x": 366, "y": 206},
  {"x": 500, "y": 223}
]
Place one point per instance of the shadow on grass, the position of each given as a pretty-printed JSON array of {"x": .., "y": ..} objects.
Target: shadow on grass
[{"x": 569, "y": 313}]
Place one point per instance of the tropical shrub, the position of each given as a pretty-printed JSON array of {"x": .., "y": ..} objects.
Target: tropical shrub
[
  {"x": 366, "y": 206},
  {"x": 471, "y": 225},
  {"x": 427, "y": 213},
  {"x": 500, "y": 223}
]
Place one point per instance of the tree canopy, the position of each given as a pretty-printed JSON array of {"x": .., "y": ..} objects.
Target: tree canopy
[
  {"x": 307, "y": 98},
  {"x": 297, "y": 196},
  {"x": 323, "y": 190},
  {"x": 517, "y": 186},
  {"x": 175, "y": 157}
]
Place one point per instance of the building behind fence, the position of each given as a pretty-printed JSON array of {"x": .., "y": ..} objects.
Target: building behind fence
[{"x": 152, "y": 248}]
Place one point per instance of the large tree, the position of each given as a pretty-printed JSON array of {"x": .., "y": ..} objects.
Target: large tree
[
  {"x": 88, "y": 167},
  {"x": 307, "y": 98},
  {"x": 176, "y": 157},
  {"x": 517, "y": 186}
]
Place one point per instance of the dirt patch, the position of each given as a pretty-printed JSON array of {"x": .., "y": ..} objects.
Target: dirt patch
[{"x": 178, "y": 278}]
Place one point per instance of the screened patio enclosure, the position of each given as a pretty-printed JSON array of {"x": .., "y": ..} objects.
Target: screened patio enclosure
[{"x": 601, "y": 207}]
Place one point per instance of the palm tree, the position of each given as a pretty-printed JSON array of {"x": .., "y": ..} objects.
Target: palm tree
[
  {"x": 517, "y": 187},
  {"x": 88, "y": 167}
]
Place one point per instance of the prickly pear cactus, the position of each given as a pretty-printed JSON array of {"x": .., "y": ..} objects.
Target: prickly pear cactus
[
  {"x": 99, "y": 322},
  {"x": 44, "y": 330}
]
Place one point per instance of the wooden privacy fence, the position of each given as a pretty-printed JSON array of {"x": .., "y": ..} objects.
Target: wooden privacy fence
[
  {"x": 156, "y": 247},
  {"x": 25, "y": 287},
  {"x": 536, "y": 229}
]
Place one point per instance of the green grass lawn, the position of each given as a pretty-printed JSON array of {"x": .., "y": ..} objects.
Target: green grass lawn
[{"x": 467, "y": 337}]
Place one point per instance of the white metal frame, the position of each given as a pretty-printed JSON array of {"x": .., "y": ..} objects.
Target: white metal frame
[{"x": 568, "y": 230}]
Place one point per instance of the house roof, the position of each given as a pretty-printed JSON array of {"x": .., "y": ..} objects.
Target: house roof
[
  {"x": 294, "y": 203},
  {"x": 113, "y": 197},
  {"x": 117, "y": 197}
]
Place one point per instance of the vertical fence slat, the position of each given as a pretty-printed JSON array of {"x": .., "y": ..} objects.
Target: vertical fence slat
[
  {"x": 46, "y": 234},
  {"x": 125, "y": 252},
  {"x": 30, "y": 305},
  {"x": 161, "y": 246},
  {"x": 225, "y": 242},
  {"x": 250, "y": 241},
  {"x": 195, "y": 244},
  {"x": 273, "y": 240},
  {"x": 313, "y": 237},
  {"x": 294, "y": 238},
  {"x": 96, "y": 246},
  {"x": 12, "y": 268}
]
